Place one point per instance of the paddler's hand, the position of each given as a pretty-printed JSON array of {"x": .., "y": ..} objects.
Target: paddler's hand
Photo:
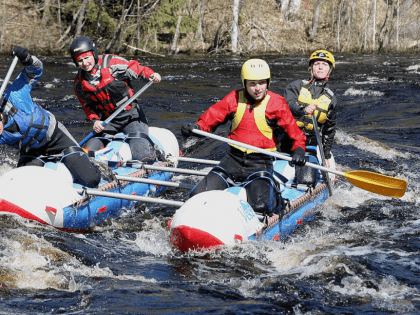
[
  {"x": 310, "y": 109},
  {"x": 97, "y": 126},
  {"x": 298, "y": 157},
  {"x": 22, "y": 54},
  {"x": 187, "y": 129},
  {"x": 327, "y": 154},
  {"x": 155, "y": 77}
]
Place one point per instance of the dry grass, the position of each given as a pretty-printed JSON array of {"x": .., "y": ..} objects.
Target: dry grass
[{"x": 24, "y": 27}]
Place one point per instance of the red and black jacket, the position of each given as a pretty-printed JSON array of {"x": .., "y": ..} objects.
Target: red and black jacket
[{"x": 103, "y": 98}]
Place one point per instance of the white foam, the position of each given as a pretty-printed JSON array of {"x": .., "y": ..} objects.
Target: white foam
[
  {"x": 355, "y": 92},
  {"x": 368, "y": 145}
]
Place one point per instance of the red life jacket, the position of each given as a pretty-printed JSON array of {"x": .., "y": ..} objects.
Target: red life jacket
[
  {"x": 250, "y": 126},
  {"x": 106, "y": 96}
]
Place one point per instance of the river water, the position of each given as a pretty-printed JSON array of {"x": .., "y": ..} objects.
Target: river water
[{"x": 361, "y": 254}]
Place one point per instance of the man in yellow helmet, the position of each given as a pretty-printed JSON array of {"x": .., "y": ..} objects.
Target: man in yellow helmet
[
  {"x": 313, "y": 96},
  {"x": 255, "y": 113}
]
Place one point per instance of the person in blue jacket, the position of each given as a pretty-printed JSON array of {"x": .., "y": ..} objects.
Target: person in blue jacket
[{"x": 34, "y": 131}]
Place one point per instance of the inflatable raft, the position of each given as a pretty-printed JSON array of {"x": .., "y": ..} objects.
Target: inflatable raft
[
  {"x": 49, "y": 196},
  {"x": 213, "y": 219}
]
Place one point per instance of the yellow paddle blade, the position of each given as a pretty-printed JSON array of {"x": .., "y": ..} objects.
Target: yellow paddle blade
[{"x": 377, "y": 183}]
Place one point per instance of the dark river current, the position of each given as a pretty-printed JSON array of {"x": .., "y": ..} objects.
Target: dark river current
[{"x": 361, "y": 254}]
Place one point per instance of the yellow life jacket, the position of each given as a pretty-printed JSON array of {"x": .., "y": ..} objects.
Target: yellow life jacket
[
  {"x": 265, "y": 131},
  {"x": 323, "y": 102}
]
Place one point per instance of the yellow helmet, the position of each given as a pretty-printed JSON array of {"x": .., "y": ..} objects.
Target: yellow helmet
[
  {"x": 322, "y": 55},
  {"x": 255, "y": 69}
]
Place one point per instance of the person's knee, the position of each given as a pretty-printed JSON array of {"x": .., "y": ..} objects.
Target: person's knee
[
  {"x": 263, "y": 197},
  {"x": 82, "y": 169},
  {"x": 93, "y": 144},
  {"x": 212, "y": 181},
  {"x": 142, "y": 150},
  {"x": 29, "y": 161}
]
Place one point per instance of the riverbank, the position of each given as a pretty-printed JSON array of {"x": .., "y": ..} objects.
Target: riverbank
[{"x": 263, "y": 27}]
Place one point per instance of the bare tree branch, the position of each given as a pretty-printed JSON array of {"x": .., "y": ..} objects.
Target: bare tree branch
[
  {"x": 263, "y": 36},
  {"x": 135, "y": 48}
]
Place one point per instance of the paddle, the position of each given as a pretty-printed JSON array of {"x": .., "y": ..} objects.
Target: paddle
[
  {"x": 373, "y": 182},
  {"x": 94, "y": 192},
  {"x": 154, "y": 182},
  {"x": 119, "y": 110},
  {"x": 321, "y": 150},
  {"x": 193, "y": 160},
  {"x": 165, "y": 168},
  {"x": 8, "y": 75}
]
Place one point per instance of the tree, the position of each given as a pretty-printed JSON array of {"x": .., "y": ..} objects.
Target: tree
[
  {"x": 339, "y": 24},
  {"x": 366, "y": 25},
  {"x": 200, "y": 22},
  {"x": 176, "y": 36},
  {"x": 289, "y": 8},
  {"x": 166, "y": 17},
  {"x": 350, "y": 20},
  {"x": 234, "y": 33},
  {"x": 46, "y": 15},
  {"x": 384, "y": 33},
  {"x": 315, "y": 20},
  {"x": 119, "y": 31},
  {"x": 98, "y": 20},
  {"x": 374, "y": 25},
  {"x": 80, "y": 20}
]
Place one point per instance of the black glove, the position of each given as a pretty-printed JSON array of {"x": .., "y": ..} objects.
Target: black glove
[
  {"x": 23, "y": 55},
  {"x": 298, "y": 157},
  {"x": 187, "y": 129},
  {"x": 327, "y": 154}
]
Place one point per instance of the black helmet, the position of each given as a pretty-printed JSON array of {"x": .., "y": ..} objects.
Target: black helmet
[{"x": 81, "y": 45}]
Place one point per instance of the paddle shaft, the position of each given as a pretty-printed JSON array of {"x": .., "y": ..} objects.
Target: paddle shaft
[
  {"x": 256, "y": 149},
  {"x": 193, "y": 160},
  {"x": 8, "y": 75},
  {"x": 373, "y": 182},
  {"x": 167, "y": 169},
  {"x": 154, "y": 182},
  {"x": 321, "y": 151},
  {"x": 119, "y": 110},
  {"x": 94, "y": 192}
]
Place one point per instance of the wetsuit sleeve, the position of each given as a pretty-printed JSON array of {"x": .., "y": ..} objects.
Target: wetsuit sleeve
[
  {"x": 33, "y": 71},
  {"x": 219, "y": 113},
  {"x": 84, "y": 101},
  {"x": 124, "y": 70},
  {"x": 278, "y": 110},
  {"x": 291, "y": 94},
  {"x": 329, "y": 127},
  {"x": 26, "y": 80}
]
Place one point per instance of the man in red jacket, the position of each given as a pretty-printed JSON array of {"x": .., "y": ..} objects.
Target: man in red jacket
[
  {"x": 255, "y": 114},
  {"x": 102, "y": 85}
]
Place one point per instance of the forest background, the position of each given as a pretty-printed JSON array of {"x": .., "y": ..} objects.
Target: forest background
[{"x": 246, "y": 27}]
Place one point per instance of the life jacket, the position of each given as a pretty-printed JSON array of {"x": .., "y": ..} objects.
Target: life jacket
[
  {"x": 31, "y": 128},
  {"x": 109, "y": 93},
  {"x": 323, "y": 102},
  {"x": 251, "y": 127}
]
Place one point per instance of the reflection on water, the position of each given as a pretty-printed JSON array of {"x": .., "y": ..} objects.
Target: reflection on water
[{"x": 360, "y": 253}]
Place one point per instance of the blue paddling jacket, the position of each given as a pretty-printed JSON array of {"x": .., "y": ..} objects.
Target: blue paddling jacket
[{"x": 28, "y": 125}]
